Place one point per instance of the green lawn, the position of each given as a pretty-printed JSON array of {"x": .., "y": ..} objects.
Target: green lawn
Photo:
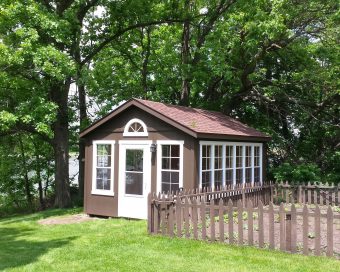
[{"x": 123, "y": 245}]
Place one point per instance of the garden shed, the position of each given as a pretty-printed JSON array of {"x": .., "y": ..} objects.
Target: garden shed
[{"x": 144, "y": 146}]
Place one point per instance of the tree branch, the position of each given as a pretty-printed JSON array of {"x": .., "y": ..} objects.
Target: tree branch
[
  {"x": 25, "y": 128},
  {"x": 120, "y": 32}
]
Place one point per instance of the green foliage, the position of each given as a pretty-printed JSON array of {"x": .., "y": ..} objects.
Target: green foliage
[{"x": 302, "y": 173}]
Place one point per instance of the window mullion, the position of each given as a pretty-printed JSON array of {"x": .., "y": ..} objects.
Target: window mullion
[
  {"x": 261, "y": 164},
  {"x": 243, "y": 164},
  {"x": 212, "y": 166},
  {"x": 223, "y": 165},
  {"x": 252, "y": 165},
  {"x": 200, "y": 167},
  {"x": 234, "y": 165}
]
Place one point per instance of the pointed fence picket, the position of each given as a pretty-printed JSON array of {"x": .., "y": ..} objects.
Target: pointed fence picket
[{"x": 196, "y": 218}]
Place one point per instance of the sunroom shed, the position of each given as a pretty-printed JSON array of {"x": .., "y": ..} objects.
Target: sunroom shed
[{"x": 144, "y": 146}]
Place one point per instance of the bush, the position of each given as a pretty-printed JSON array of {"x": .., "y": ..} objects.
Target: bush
[{"x": 297, "y": 173}]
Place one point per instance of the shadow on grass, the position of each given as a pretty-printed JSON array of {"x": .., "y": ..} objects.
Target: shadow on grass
[
  {"x": 15, "y": 251},
  {"x": 39, "y": 215}
]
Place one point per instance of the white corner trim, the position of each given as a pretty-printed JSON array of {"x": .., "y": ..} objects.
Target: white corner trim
[
  {"x": 136, "y": 133},
  {"x": 94, "y": 190},
  {"x": 159, "y": 160}
]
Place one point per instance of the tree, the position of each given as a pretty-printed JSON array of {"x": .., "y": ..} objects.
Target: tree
[{"x": 53, "y": 41}]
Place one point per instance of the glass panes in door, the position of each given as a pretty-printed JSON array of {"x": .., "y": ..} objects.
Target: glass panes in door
[{"x": 134, "y": 172}]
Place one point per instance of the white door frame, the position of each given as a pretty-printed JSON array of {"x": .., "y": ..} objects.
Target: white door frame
[{"x": 134, "y": 206}]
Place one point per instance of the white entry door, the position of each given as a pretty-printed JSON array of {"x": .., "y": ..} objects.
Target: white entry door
[{"x": 134, "y": 178}]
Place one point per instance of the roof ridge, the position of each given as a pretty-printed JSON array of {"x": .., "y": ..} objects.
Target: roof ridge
[{"x": 181, "y": 106}]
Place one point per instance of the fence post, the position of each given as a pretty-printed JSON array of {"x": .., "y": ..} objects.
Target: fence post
[
  {"x": 271, "y": 226},
  {"x": 240, "y": 222},
  {"x": 230, "y": 222},
  {"x": 195, "y": 217},
  {"x": 221, "y": 220},
  {"x": 305, "y": 229},
  {"x": 150, "y": 217},
  {"x": 204, "y": 226},
  {"x": 317, "y": 230},
  {"x": 309, "y": 193},
  {"x": 261, "y": 227},
  {"x": 282, "y": 227},
  {"x": 299, "y": 198},
  {"x": 293, "y": 229},
  {"x": 288, "y": 231},
  {"x": 179, "y": 216},
  {"x": 250, "y": 223},
  {"x": 186, "y": 217},
  {"x": 329, "y": 231},
  {"x": 271, "y": 194},
  {"x": 212, "y": 220},
  {"x": 162, "y": 211}
]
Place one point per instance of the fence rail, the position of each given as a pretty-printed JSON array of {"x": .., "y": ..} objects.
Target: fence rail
[{"x": 247, "y": 216}]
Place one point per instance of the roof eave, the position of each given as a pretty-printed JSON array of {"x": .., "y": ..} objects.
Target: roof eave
[{"x": 263, "y": 138}]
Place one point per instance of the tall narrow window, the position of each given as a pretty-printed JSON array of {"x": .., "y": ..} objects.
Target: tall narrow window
[
  {"x": 170, "y": 167},
  {"x": 257, "y": 165},
  {"x": 248, "y": 165},
  {"x": 239, "y": 164},
  {"x": 206, "y": 166},
  {"x": 103, "y": 167},
  {"x": 229, "y": 156},
  {"x": 218, "y": 168}
]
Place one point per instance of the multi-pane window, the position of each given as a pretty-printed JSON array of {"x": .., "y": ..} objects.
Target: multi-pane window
[
  {"x": 206, "y": 166},
  {"x": 248, "y": 166},
  {"x": 239, "y": 164},
  {"x": 170, "y": 167},
  {"x": 102, "y": 167},
  {"x": 229, "y": 160},
  {"x": 230, "y": 163},
  {"x": 257, "y": 166},
  {"x": 218, "y": 167}
]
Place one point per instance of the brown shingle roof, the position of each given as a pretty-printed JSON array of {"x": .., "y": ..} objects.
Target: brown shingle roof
[
  {"x": 197, "y": 122},
  {"x": 203, "y": 121}
]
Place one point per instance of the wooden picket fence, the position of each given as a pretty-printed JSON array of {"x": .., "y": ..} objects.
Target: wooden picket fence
[
  {"x": 323, "y": 194},
  {"x": 292, "y": 228},
  {"x": 244, "y": 192}
]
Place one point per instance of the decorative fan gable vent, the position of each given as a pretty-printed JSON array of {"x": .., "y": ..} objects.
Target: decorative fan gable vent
[{"x": 135, "y": 127}]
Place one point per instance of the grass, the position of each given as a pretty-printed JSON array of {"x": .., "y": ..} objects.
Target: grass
[{"x": 124, "y": 245}]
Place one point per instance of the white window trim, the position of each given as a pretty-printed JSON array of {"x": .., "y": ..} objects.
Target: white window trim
[
  {"x": 94, "y": 190},
  {"x": 159, "y": 161},
  {"x": 136, "y": 133},
  {"x": 234, "y": 144}
]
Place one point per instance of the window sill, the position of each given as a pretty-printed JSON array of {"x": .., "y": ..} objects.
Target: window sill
[{"x": 103, "y": 193}]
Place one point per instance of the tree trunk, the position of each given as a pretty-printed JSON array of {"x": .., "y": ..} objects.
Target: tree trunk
[
  {"x": 40, "y": 187},
  {"x": 185, "y": 94},
  {"x": 83, "y": 123},
  {"x": 59, "y": 95},
  {"x": 26, "y": 179}
]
